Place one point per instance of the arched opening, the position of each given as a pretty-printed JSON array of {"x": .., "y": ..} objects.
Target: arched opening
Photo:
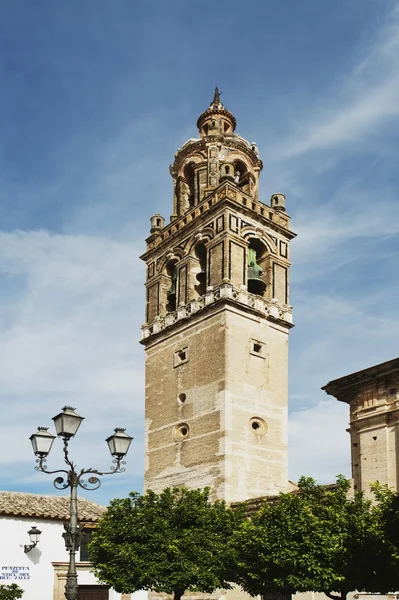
[
  {"x": 200, "y": 253},
  {"x": 256, "y": 273},
  {"x": 171, "y": 294},
  {"x": 242, "y": 176},
  {"x": 240, "y": 169},
  {"x": 189, "y": 176}
]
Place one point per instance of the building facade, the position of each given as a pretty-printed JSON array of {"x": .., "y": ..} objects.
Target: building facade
[
  {"x": 41, "y": 572},
  {"x": 217, "y": 322},
  {"x": 373, "y": 398}
]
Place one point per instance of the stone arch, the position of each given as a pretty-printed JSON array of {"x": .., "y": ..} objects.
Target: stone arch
[
  {"x": 175, "y": 255},
  {"x": 258, "y": 266},
  {"x": 186, "y": 185},
  {"x": 235, "y": 156},
  {"x": 252, "y": 232},
  {"x": 184, "y": 194},
  {"x": 264, "y": 248},
  {"x": 198, "y": 268},
  {"x": 204, "y": 235},
  {"x": 245, "y": 176},
  {"x": 197, "y": 157}
]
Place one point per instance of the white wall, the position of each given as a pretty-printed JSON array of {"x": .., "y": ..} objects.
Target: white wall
[{"x": 33, "y": 571}]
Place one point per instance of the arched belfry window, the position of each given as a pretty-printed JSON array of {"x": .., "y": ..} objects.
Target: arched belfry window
[
  {"x": 256, "y": 275},
  {"x": 240, "y": 169},
  {"x": 200, "y": 253},
  {"x": 171, "y": 295},
  {"x": 242, "y": 176},
  {"x": 189, "y": 177}
]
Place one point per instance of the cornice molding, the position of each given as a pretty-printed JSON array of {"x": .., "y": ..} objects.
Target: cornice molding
[
  {"x": 344, "y": 389},
  {"x": 225, "y": 193}
]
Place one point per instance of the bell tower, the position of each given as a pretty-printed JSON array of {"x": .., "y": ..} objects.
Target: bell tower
[{"x": 217, "y": 322}]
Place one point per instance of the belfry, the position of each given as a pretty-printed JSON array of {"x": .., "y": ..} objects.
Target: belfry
[{"x": 217, "y": 322}]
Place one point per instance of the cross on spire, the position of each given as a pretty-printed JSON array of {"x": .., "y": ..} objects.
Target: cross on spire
[{"x": 216, "y": 97}]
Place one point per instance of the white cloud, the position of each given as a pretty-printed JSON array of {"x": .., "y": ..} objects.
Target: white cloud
[
  {"x": 336, "y": 337},
  {"x": 74, "y": 306},
  {"x": 78, "y": 296},
  {"x": 359, "y": 103},
  {"x": 319, "y": 443}
]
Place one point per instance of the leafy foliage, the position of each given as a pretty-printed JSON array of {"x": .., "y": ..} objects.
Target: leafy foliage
[
  {"x": 173, "y": 542},
  {"x": 10, "y": 592},
  {"x": 317, "y": 539},
  {"x": 388, "y": 513}
]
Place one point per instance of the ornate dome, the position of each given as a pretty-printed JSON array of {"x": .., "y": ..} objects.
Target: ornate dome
[{"x": 216, "y": 119}]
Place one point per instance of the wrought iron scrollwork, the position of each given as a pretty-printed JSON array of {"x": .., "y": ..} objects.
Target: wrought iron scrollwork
[
  {"x": 93, "y": 483},
  {"x": 41, "y": 464},
  {"x": 61, "y": 483},
  {"x": 71, "y": 477}
]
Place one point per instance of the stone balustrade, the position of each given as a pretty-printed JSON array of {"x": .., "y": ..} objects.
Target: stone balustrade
[{"x": 270, "y": 309}]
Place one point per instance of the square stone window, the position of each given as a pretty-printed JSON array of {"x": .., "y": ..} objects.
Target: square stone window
[
  {"x": 180, "y": 357},
  {"x": 257, "y": 348}
]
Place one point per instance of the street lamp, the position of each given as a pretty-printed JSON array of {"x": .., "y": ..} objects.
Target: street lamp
[
  {"x": 34, "y": 536},
  {"x": 67, "y": 424}
]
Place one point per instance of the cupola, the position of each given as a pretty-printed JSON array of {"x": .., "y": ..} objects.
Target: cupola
[{"x": 216, "y": 120}]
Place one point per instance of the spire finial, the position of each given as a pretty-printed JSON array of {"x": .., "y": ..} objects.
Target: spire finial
[{"x": 216, "y": 97}]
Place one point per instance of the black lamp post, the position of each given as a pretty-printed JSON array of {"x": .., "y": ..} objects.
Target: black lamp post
[{"x": 66, "y": 425}]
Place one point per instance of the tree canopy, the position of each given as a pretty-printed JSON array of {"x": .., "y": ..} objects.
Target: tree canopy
[
  {"x": 171, "y": 542},
  {"x": 388, "y": 515},
  {"x": 318, "y": 539},
  {"x": 10, "y": 592}
]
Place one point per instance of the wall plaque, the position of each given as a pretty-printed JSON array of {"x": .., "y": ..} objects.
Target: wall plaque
[{"x": 12, "y": 573}]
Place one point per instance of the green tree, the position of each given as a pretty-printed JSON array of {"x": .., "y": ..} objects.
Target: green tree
[
  {"x": 318, "y": 539},
  {"x": 387, "y": 508},
  {"x": 10, "y": 592},
  {"x": 172, "y": 542}
]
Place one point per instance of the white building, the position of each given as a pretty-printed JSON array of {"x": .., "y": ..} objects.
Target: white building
[{"x": 42, "y": 571}]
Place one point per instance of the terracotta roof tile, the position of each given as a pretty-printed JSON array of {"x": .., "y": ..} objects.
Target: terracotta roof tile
[{"x": 13, "y": 504}]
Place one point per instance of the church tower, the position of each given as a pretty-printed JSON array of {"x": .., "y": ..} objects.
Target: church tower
[{"x": 217, "y": 322}]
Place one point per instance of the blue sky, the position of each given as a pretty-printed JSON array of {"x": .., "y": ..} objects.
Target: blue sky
[{"x": 95, "y": 99}]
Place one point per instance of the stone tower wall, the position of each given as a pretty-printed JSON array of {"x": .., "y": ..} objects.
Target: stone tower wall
[{"x": 230, "y": 390}]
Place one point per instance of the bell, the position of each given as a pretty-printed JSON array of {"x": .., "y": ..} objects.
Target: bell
[
  {"x": 201, "y": 276},
  {"x": 256, "y": 285},
  {"x": 172, "y": 291}
]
